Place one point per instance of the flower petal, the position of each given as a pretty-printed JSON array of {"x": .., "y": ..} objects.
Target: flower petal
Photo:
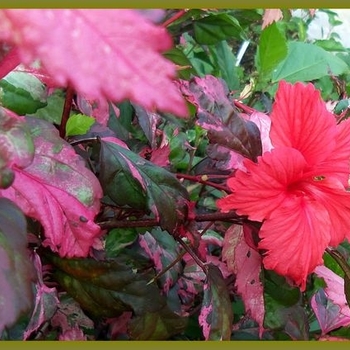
[
  {"x": 337, "y": 163},
  {"x": 295, "y": 237},
  {"x": 260, "y": 190},
  {"x": 331, "y": 194},
  {"x": 300, "y": 120}
]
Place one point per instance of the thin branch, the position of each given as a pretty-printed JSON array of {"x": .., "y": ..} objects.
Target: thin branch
[
  {"x": 229, "y": 217},
  {"x": 203, "y": 179},
  {"x": 174, "y": 18},
  {"x": 66, "y": 110}
]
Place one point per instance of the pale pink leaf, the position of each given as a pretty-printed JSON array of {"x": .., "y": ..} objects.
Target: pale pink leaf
[
  {"x": 98, "y": 108},
  {"x": 330, "y": 306},
  {"x": 270, "y": 16},
  {"x": 59, "y": 191},
  {"x": 114, "y": 53},
  {"x": 46, "y": 301},
  {"x": 245, "y": 262},
  {"x": 73, "y": 334}
]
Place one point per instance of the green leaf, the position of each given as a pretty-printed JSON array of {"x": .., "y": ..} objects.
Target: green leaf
[
  {"x": 178, "y": 57},
  {"x": 226, "y": 60},
  {"x": 330, "y": 45},
  {"x": 277, "y": 287},
  {"x": 79, "y": 124},
  {"x": 306, "y": 62},
  {"x": 119, "y": 238},
  {"x": 16, "y": 270},
  {"x": 129, "y": 179},
  {"x": 22, "y": 93},
  {"x": 216, "y": 312},
  {"x": 272, "y": 50},
  {"x": 53, "y": 111},
  {"x": 214, "y": 28}
]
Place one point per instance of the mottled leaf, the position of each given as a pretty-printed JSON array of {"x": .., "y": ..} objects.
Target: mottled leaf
[
  {"x": 216, "y": 314},
  {"x": 157, "y": 326},
  {"x": 245, "y": 262},
  {"x": 95, "y": 50},
  {"x": 46, "y": 301},
  {"x": 119, "y": 238},
  {"x": 329, "y": 304},
  {"x": 163, "y": 250},
  {"x": 148, "y": 122},
  {"x": 216, "y": 113},
  {"x": 108, "y": 288},
  {"x": 128, "y": 179},
  {"x": 68, "y": 315},
  {"x": 17, "y": 148},
  {"x": 339, "y": 258},
  {"x": 22, "y": 93},
  {"x": 16, "y": 271},
  {"x": 59, "y": 191}
]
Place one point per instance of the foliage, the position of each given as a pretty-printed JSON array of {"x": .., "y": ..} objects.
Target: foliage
[{"x": 136, "y": 173}]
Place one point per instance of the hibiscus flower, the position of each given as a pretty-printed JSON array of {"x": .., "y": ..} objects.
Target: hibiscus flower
[{"x": 298, "y": 190}]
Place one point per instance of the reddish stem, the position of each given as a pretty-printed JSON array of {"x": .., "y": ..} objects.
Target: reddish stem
[
  {"x": 66, "y": 110},
  {"x": 9, "y": 62},
  {"x": 201, "y": 180},
  {"x": 174, "y": 18},
  {"x": 229, "y": 217},
  {"x": 243, "y": 107}
]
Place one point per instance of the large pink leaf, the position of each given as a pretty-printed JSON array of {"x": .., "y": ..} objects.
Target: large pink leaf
[
  {"x": 102, "y": 53},
  {"x": 59, "y": 191},
  {"x": 245, "y": 262}
]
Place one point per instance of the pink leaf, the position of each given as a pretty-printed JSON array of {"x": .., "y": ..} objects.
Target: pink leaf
[
  {"x": 75, "y": 333},
  {"x": 245, "y": 262},
  {"x": 98, "y": 108},
  {"x": 270, "y": 16},
  {"x": 46, "y": 301},
  {"x": 103, "y": 53},
  {"x": 331, "y": 309},
  {"x": 59, "y": 191}
]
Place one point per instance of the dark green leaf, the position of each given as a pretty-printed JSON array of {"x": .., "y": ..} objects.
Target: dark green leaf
[
  {"x": 16, "y": 270},
  {"x": 119, "y": 238},
  {"x": 22, "y": 93},
  {"x": 129, "y": 179},
  {"x": 272, "y": 50},
  {"x": 307, "y": 62},
  {"x": 277, "y": 287},
  {"x": 216, "y": 313},
  {"x": 157, "y": 326},
  {"x": 108, "y": 288},
  {"x": 179, "y": 58},
  {"x": 214, "y": 28}
]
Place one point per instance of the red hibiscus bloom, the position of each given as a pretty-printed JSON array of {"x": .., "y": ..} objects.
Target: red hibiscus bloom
[{"x": 298, "y": 189}]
